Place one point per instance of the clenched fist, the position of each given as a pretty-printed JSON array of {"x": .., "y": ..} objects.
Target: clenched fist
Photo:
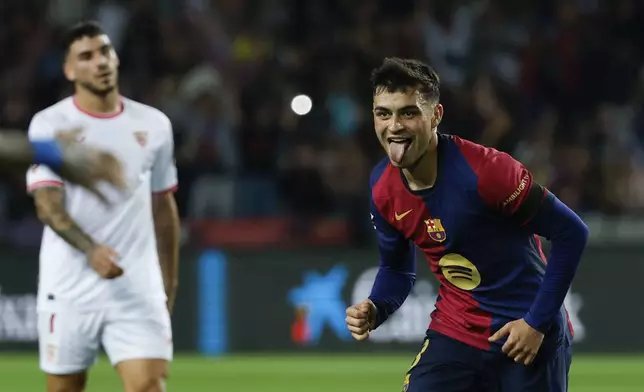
[{"x": 361, "y": 319}]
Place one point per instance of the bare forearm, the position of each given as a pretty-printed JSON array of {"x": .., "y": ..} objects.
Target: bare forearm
[
  {"x": 51, "y": 212},
  {"x": 15, "y": 149},
  {"x": 168, "y": 231}
]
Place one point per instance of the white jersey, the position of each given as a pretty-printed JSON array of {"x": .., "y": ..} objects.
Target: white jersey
[{"x": 141, "y": 137}]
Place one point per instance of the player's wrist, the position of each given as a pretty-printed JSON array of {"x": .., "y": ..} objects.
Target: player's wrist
[
  {"x": 89, "y": 248},
  {"x": 375, "y": 318},
  {"x": 535, "y": 324},
  {"x": 47, "y": 152}
]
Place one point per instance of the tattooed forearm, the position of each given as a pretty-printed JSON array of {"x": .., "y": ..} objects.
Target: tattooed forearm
[{"x": 50, "y": 207}]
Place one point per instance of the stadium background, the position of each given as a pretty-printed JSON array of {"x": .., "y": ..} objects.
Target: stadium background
[{"x": 276, "y": 237}]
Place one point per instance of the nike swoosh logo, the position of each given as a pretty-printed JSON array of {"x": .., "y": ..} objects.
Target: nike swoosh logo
[{"x": 404, "y": 214}]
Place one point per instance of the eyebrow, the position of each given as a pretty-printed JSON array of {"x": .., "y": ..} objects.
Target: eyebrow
[
  {"x": 408, "y": 107},
  {"x": 102, "y": 47}
]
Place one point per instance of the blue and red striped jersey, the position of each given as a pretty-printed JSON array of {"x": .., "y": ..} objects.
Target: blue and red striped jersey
[{"x": 471, "y": 229}]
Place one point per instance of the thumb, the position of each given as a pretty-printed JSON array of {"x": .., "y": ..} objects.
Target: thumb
[
  {"x": 505, "y": 331},
  {"x": 365, "y": 306}
]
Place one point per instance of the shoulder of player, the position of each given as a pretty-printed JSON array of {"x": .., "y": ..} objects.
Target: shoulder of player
[
  {"x": 150, "y": 113},
  {"x": 385, "y": 189},
  {"x": 55, "y": 111},
  {"x": 54, "y": 115},
  {"x": 479, "y": 157},
  {"x": 378, "y": 170}
]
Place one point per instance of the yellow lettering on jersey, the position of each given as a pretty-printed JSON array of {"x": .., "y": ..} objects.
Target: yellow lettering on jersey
[{"x": 517, "y": 192}]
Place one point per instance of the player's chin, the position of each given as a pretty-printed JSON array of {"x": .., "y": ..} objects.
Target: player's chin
[
  {"x": 105, "y": 82},
  {"x": 103, "y": 88}
]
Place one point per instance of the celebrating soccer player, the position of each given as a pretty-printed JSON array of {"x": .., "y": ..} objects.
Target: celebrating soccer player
[
  {"x": 476, "y": 214},
  {"x": 107, "y": 274}
]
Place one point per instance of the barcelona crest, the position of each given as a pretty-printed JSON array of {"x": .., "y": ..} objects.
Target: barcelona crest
[{"x": 435, "y": 230}]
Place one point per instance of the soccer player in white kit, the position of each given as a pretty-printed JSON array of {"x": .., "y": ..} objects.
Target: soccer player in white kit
[{"x": 108, "y": 274}]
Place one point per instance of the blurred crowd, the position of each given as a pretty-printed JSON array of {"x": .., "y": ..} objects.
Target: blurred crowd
[{"x": 556, "y": 83}]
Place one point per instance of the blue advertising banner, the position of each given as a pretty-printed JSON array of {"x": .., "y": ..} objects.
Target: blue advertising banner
[{"x": 296, "y": 301}]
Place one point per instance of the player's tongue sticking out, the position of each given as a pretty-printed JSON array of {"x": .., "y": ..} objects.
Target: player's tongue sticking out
[{"x": 397, "y": 150}]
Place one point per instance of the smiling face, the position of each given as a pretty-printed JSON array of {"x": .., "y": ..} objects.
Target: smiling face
[
  {"x": 405, "y": 123},
  {"x": 92, "y": 64}
]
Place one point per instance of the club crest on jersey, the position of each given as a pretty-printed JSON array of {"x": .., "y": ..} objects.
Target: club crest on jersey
[
  {"x": 435, "y": 229},
  {"x": 141, "y": 137}
]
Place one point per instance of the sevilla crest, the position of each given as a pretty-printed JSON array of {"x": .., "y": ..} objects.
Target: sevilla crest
[{"x": 141, "y": 137}]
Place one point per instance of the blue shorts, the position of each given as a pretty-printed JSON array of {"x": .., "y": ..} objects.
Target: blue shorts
[{"x": 447, "y": 365}]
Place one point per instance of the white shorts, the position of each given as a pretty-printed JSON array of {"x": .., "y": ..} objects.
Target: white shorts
[{"x": 69, "y": 339}]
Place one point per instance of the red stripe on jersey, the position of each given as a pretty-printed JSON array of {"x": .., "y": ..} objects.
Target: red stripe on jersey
[
  {"x": 572, "y": 330},
  {"x": 171, "y": 189},
  {"x": 45, "y": 183},
  {"x": 52, "y": 321},
  {"x": 540, "y": 249},
  {"x": 100, "y": 115},
  {"x": 458, "y": 315}
]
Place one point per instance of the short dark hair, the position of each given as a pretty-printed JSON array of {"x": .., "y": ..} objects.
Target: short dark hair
[
  {"x": 397, "y": 74},
  {"x": 88, "y": 28}
]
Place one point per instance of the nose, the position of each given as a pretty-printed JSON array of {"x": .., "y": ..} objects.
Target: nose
[
  {"x": 395, "y": 125},
  {"x": 102, "y": 61}
]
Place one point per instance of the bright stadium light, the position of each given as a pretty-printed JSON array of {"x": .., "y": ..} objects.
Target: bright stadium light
[{"x": 301, "y": 104}]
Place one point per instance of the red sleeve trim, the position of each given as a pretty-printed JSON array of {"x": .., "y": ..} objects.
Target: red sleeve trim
[
  {"x": 45, "y": 183},
  {"x": 172, "y": 189}
]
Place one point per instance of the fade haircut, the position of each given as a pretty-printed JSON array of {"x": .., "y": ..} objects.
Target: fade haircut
[
  {"x": 88, "y": 29},
  {"x": 398, "y": 75}
]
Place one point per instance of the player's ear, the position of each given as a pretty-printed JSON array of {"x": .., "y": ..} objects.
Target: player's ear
[
  {"x": 68, "y": 70},
  {"x": 438, "y": 115}
]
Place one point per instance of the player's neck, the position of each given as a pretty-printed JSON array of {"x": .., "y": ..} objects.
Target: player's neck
[
  {"x": 424, "y": 172},
  {"x": 92, "y": 103}
]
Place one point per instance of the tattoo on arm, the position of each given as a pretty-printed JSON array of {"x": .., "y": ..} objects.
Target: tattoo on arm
[{"x": 50, "y": 206}]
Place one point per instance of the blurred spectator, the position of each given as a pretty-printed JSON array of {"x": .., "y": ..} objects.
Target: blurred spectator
[{"x": 558, "y": 84}]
